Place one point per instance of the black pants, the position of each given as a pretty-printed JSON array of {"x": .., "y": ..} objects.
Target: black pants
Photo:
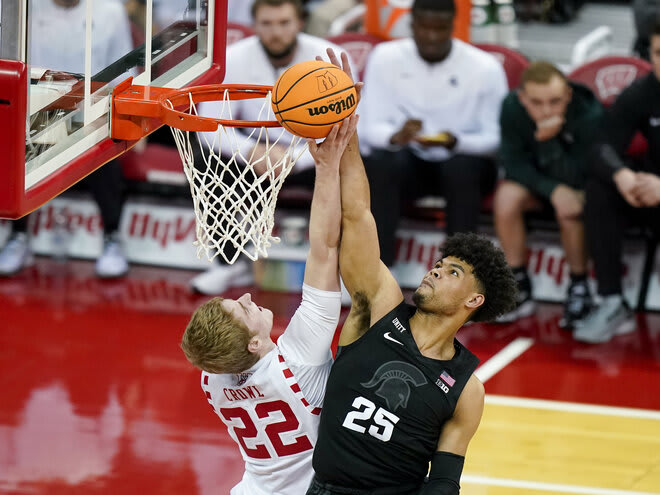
[
  {"x": 395, "y": 177},
  {"x": 107, "y": 187},
  {"x": 607, "y": 215},
  {"x": 318, "y": 487}
]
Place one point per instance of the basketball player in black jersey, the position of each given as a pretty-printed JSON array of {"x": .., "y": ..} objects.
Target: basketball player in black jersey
[{"x": 402, "y": 392}]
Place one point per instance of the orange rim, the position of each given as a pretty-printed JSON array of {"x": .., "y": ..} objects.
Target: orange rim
[{"x": 173, "y": 104}]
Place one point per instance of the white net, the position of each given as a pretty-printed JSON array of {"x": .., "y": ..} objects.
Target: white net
[{"x": 235, "y": 177}]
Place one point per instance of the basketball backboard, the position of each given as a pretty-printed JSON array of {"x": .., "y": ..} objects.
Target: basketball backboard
[{"x": 59, "y": 61}]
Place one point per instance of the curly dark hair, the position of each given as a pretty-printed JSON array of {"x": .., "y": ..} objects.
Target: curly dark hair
[{"x": 490, "y": 269}]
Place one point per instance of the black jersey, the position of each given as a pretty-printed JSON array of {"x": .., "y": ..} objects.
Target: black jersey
[{"x": 385, "y": 406}]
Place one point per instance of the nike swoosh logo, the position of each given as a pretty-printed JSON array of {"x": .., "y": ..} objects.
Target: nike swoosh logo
[{"x": 388, "y": 337}]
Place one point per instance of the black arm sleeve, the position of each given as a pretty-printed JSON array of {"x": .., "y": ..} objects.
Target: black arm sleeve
[{"x": 445, "y": 475}]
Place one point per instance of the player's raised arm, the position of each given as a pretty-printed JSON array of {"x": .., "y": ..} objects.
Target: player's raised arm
[
  {"x": 321, "y": 269},
  {"x": 364, "y": 275}
]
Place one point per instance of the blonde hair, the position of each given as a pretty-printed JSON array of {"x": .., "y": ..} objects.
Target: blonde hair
[
  {"x": 541, "y": 72},
  {"x": 216, "y": 342}
]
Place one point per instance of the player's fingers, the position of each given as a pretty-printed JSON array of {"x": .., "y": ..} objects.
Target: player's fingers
[
  {"x": 332, "y": 135},
  {"x": 333, "y": 57},
  {"x": 313, "y": 147},
  {"x": 358, "y": 90},
  {"x": 346, "y": 67},
  {"x": 343, "y": 129},
  {"x": 348, "y": 128},
  {"x": 319, "y": 58},
  {"x": 351, "y": 125}
]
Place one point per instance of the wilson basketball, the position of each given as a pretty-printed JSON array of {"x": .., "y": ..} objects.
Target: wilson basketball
[{"x": 310, "y": 97}]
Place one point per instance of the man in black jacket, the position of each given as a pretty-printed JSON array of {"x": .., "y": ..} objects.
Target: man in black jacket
[
  {"x": 547, "y": 128},
  {"x": 622, "y": 191}
]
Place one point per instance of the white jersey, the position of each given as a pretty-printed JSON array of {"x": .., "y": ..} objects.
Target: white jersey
[
  {"x": 272, "y": 410},
  {"x": 247, "y": 63}
]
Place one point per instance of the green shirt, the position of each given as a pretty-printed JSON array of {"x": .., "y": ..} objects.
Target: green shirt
[{"x": 540, "y": 166}]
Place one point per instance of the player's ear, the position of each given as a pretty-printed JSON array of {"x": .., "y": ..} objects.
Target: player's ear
[
  {"x": 254, "y": 344},
  {"x": 475, "y": 301}
]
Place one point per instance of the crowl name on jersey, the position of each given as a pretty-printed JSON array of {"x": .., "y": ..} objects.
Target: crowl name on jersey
[
  {"x": 385, "y": 407},
  {"x": 269, "y": 418}
]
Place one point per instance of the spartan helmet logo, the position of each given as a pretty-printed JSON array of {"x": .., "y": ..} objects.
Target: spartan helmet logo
[
  {"x": 326, "y": 81},
  {"x": 395, "y": 378}
]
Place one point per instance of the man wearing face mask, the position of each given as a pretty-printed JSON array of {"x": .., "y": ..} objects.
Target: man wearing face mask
[
  {"x": 430, "y": 112},
  {"x": 277, "y": 44},
  {"x": 548, "y": 126}
]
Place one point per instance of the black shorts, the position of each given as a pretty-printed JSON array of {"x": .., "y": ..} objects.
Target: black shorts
[{"x": 317, "y": 487}]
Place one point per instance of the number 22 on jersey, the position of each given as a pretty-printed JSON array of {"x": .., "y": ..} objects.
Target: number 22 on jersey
[{"x": 273, "y": 429}]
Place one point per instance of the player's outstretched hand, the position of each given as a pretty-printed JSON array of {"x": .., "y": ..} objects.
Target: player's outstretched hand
[
  {"x": 345, "y": 66},
  {"x": 328, "y": 153}
]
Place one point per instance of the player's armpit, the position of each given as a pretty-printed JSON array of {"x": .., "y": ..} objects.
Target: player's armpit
[
  {"x": 358, "y": 320},
  {"x": 445, "y": 475}
]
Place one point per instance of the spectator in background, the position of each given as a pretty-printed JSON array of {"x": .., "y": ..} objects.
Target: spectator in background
[
  {"x": 621, "y": 192},
  {"x": 278, "y": 44},
  {"x": 58, "y": 42},
  {"x": 547, "y": 128},
  {"x": 430, "y": 112},
  {"x": 323, "y": 12},
  {"x": 646, "y": 14}
]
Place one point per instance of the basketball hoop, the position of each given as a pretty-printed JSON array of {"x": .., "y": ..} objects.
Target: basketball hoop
[{"x": 238, "y": 175}]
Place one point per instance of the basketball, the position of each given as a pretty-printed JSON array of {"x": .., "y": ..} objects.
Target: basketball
[{"x": 310, "y": 97}]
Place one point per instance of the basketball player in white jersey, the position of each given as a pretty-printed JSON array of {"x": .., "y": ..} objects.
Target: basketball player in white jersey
[{"x": 268, "y": 395}]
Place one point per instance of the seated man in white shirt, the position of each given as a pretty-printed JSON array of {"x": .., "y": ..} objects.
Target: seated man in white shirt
[
  {"x": 268, "y": 395},
  {"x": 430, "y": 116},
  {"x": 261, "y": 59}
]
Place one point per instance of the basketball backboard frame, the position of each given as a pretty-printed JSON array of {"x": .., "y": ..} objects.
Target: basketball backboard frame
[{"x": 27, "y": 183}]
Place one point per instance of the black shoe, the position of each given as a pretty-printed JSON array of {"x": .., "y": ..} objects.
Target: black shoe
[
  {"x": 578, "y": 304},
  {"x": 525, "y": 305}
]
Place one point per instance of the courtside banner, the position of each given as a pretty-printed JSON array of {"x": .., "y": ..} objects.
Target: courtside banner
[
  {"x": 163, "y": 235},
  {"x": 150, "y": 234},
  {"x": 418, "y": 250}
]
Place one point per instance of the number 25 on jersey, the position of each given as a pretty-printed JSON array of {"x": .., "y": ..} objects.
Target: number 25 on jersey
[{"x": 379, "y": 421}]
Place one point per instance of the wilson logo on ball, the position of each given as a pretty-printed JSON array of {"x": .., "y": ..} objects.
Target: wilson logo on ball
[
  {"x": 326, "y": 82},
  {"x": 339, "y": 107}
]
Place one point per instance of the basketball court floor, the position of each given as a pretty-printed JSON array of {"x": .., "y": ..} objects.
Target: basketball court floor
[{"x": 98, "y": 399}]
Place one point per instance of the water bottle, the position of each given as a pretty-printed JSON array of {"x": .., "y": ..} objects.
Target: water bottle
[
  {"x": 483, "y": 22},
  {"x": 506, "y": 27},
  {"x": 60, "y": 236}
]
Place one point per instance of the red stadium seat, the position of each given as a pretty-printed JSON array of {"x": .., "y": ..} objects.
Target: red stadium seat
[
  {"x": 607, "y": 77},
  {"x": 236, "y": 32},
  {"x": 358, "y": 46},
  {"x": 514, "y": 62}
]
